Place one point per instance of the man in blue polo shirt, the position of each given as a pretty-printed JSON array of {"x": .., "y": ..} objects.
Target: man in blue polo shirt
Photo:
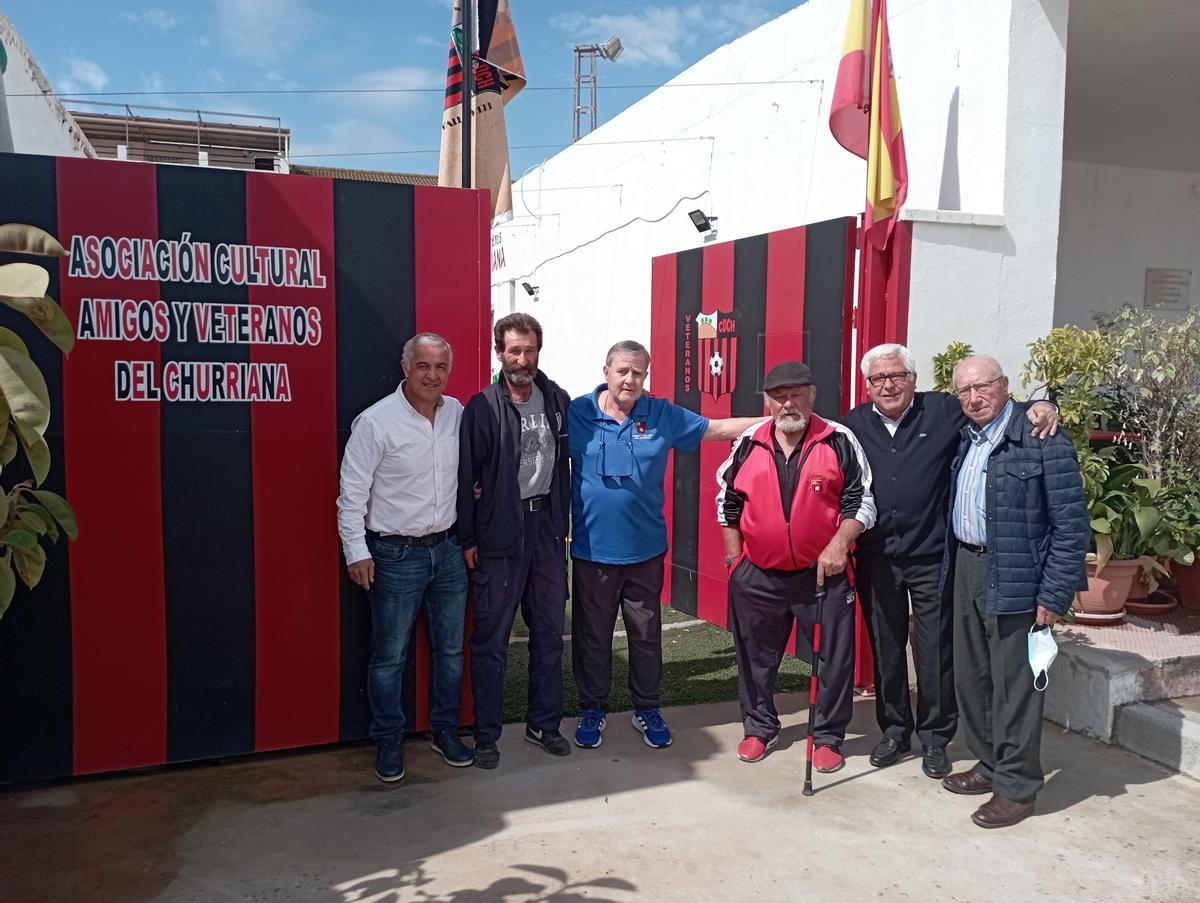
[{"x": 619, "y": 440}]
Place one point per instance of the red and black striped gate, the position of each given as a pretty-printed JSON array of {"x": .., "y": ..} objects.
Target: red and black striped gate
[
  {"x": 204, "y": 610},
  {"x": 722, "y": 315}
]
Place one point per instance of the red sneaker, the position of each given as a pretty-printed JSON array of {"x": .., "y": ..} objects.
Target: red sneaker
[
  {"x": 827, "y": 759},
  {"x": 754, "y": 749}
]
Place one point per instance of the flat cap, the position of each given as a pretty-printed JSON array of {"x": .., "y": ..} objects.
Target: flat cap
[{"x": 789, "y": 373}]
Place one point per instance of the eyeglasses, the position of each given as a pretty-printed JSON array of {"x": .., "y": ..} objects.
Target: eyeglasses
[
  {"x": 980, "y": 388},
  {"x": 894, "y": 378}
]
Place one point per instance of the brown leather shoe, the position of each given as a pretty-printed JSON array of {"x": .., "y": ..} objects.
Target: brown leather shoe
[
  {"x": 1000, "y": 813},
  {"x": 968, "y": 783}
]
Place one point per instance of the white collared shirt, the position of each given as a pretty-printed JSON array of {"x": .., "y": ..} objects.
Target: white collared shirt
[
  {"x": 399, "y": 472},
  {"x": 889, "y": 424}
]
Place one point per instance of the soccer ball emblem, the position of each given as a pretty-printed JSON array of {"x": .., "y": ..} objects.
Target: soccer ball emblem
[{"x": 716, "y": 364}]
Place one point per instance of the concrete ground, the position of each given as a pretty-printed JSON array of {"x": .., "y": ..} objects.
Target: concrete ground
[{"x": 620, "y": 823}]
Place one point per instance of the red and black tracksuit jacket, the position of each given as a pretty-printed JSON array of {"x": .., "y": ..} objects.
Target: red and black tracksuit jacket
[{"x": 789, "y": 509}]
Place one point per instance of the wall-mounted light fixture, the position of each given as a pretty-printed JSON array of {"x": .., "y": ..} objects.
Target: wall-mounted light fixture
[{"x": 702, "y": 221}]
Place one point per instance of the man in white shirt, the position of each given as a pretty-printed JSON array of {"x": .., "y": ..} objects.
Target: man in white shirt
[{"x": 396, "y": 515}]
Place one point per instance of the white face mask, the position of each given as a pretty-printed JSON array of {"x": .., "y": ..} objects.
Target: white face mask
[{"x": 1042, "y": 652}]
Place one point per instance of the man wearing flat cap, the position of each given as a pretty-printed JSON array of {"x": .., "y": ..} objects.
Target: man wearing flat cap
[{"x": 792, "y": 497}]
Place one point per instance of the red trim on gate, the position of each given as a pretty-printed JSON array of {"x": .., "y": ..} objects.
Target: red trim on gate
[
  {"x": 296, "y": 569},
  {"x": 712, "y": 595},
  {"x": 664, "y": 335},
  {"x": 786, "y": 263},
  {"x": 113, "y": 464},
  {"x": 453, "y": 288}
]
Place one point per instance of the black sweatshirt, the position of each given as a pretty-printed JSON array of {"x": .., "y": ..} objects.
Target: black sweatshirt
[{"x": 910, "y": 474}]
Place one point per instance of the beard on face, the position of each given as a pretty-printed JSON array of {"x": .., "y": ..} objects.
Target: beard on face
[
  {"x": 519, "y": 374},
  {"x": 791, "y": 423}
]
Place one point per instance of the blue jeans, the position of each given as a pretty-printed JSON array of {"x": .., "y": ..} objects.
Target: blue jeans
[{"x": 409, "y": 579}]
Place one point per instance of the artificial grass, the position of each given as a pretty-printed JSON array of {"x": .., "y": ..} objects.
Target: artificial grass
[{"x": 698, "y": 666}]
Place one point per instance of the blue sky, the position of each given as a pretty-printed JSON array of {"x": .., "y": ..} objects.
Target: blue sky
[{"x": 291, "y": 46}]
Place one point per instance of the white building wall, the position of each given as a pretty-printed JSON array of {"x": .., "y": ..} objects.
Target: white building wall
[
  {"x": 1116, "y": 222},
  {"x": 37, "y": 122},
  {"x": 991, "y": 282},
  {"x": 760, "y": 157}
]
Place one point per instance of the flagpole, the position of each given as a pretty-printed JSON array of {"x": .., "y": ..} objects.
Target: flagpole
[{"x": 468, "y": 85}]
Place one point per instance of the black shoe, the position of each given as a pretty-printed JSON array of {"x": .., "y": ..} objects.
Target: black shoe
[
  {"x": 486, "y": 755},
  {"x": 887, "y": 752},
  {"x": 550, "y": 740},
  {"x": 452, "y": 750},
  {"x": 934, "y": 762},
  {"x": 389, "y": 759}
]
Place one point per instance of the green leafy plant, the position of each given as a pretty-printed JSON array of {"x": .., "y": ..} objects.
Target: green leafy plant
[
  {"x": 1076, "y": 368},
  {"x": 944, "y": 363},
  {"x": 1157, "y": 371},
  {"x": 29, "y": 514}
]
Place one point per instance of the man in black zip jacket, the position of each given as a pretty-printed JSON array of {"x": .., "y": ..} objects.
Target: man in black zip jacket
[
  {"x": 514, "y": 499},
  {"x": 910, "y": 438}
]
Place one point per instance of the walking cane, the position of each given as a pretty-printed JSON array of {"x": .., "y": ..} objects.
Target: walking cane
[{"x": 815, "y": 668}]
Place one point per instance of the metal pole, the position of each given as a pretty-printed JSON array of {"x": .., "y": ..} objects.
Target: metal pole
[{"x": 468, "y": 84}]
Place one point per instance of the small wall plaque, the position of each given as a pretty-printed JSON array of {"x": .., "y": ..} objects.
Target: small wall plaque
[{"x": 1168, "y": 289}]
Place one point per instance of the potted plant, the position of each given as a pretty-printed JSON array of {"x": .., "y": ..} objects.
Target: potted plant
[
  {"x": 1158, "y": 373},
  {"x": 1122, "y": 505}
]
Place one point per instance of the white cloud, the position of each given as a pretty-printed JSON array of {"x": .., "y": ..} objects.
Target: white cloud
[
  {"x": 391, "y": 90},
  {"x": 264, "y": 31},
  {"x": 655, "y": 35},
  {"x": 424, "y": 40},
  {"x": 82, "y": 76},
  {"x": 152, "y": 17}
]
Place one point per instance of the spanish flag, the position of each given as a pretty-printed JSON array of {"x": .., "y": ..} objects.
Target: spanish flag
[
  {"x": 865, "y": 117},
  {"x": 499, "y": 77}
]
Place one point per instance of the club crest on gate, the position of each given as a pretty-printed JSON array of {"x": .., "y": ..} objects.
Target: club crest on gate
[{"x": 708, "y": 347}]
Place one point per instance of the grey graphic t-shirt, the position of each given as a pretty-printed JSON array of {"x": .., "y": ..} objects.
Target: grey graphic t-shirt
[{"x": 536, "y": 463}]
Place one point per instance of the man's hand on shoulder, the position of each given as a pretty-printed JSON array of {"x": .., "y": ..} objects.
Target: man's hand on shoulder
[
  {"x": 1044, "y": 417},
  {"x": 362, "y": 572}
]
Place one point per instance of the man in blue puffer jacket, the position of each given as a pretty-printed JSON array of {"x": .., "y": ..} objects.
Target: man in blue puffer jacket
[{"x": 1016, "y": 538}]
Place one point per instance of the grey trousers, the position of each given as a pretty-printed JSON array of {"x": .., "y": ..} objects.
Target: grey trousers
[
  {"x": 998, "y": 708},
  {"x": 597, "y": 591}
]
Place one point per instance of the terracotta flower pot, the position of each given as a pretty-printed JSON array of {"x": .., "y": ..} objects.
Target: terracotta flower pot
[
  {"x": 1188, "y": 578},
  {"x": 1103, "y": 602}
]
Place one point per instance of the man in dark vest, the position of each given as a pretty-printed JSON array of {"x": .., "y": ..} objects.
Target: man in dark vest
[
  {"x": 910, "y": 439},
  {"x": 514, "y": 502}
]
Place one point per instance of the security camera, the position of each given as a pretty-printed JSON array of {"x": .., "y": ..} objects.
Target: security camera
[{"x": 529, "y": 289}]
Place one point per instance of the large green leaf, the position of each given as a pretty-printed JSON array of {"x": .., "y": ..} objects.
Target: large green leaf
[
  {"x": 42, "y": 514},
  {"x": 30, "y": 564},
  {"x": 62, "y": 512},
  {"x": 10, "y": 339},
  {"x": 23, "y": 280},
  {"x": 8, "y": 585},
  {"x": 8, "y": 447},
  {"x": 27, "y": 520},
  {"x": 20, "y": 539},
  {"x": 39, "y": 459},
  {"x": 44, "y": 312},
  {"x": 24, "y": 389},
  {"x": 21, "y": 239}
]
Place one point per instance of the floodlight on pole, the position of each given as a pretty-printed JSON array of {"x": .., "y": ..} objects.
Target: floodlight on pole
[{"x": 585, "y": 77}]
